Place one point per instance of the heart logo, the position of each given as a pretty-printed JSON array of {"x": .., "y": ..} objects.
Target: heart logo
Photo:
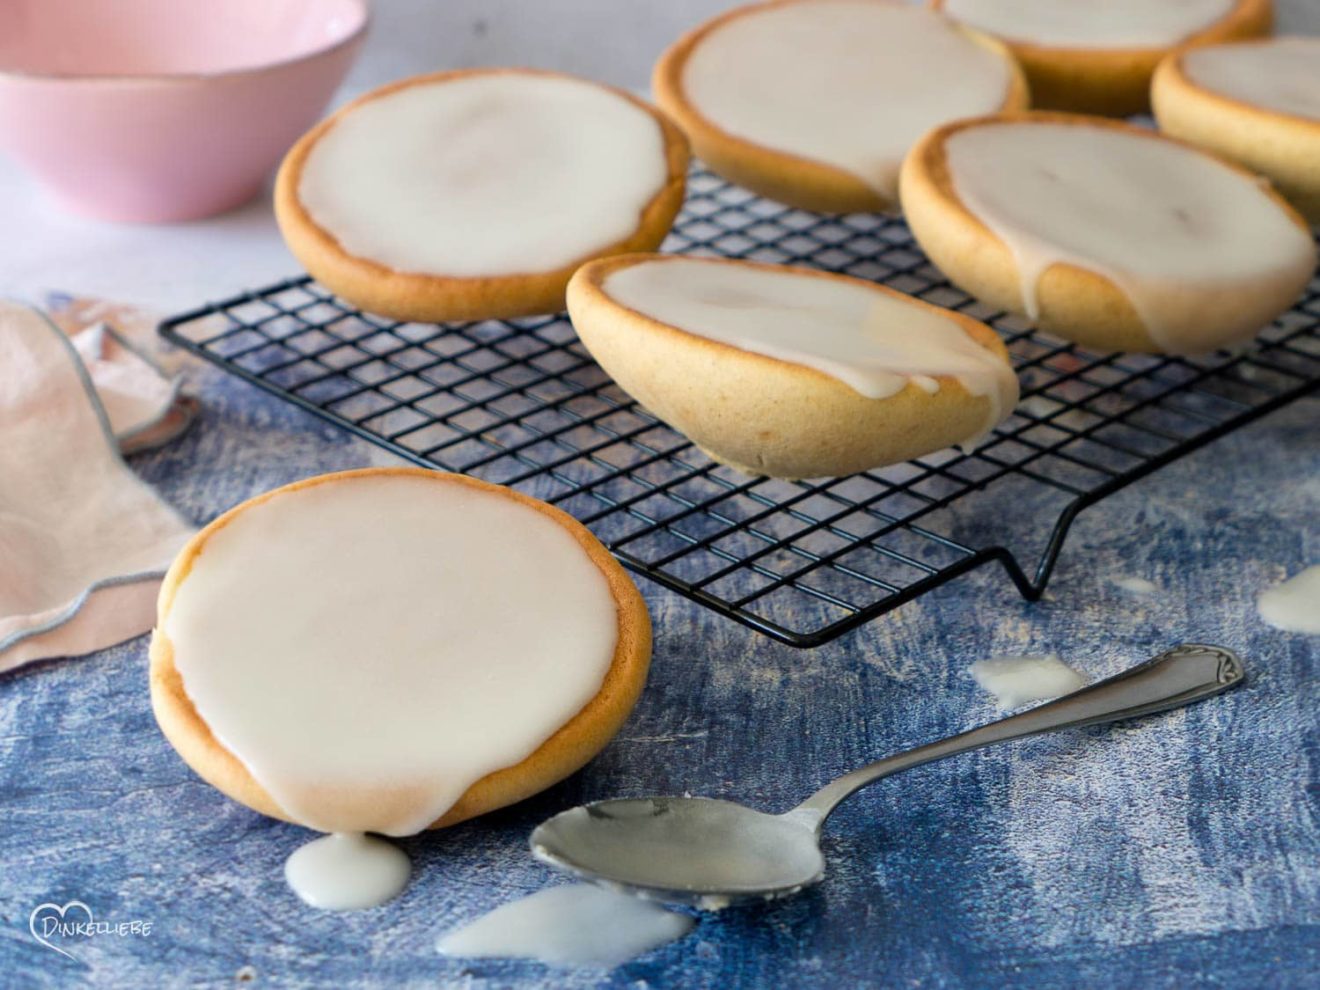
[{"x": 49, "y": 919}]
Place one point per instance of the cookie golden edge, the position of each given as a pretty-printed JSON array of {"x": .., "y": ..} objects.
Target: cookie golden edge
[
  {"x": 435, "y": 298},
  {"x": 1280, "y": 146},
  {"x": 1115, "y": 82},
  {"x": 760, "y": 415},
  {"x": 778, "y": 175},
  {"x": 1075, "y": 304},
  {"x": 570, "y": 748}
]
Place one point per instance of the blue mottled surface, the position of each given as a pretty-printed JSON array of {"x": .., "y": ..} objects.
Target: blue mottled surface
[{"x": 1180, "y": 851}]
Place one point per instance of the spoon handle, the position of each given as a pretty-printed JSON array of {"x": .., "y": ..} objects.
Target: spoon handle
[{"x": 1179, "y": 677}]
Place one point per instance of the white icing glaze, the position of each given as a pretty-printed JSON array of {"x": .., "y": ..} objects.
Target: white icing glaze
[
  {"x": 574, "y": 925},
  {"x": 1201, "y": 251},
  {"x": 347, "y": 871},
  {"x": 1091, "y": 23},
  {"x": 1294, "y": 605},
  {"x": 491, "y": 174},
  {"x": 1015, "y": 681},
  {"x": 871, "y": 341},
  {"x": 1279, "y": 74},
  {"x": 1137, "y": 585},
  {"x": 832, "y": 81},
  {"x": 370, "y": 647}
]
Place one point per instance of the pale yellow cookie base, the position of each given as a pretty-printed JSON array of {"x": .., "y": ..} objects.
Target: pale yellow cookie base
[
  {"x": 1075, "y": 304},
  {"x": 1116, "y": 82},
  {"x": 760, "y": 415},
  {"x": 439, "y": 299},
  {"x": 1283, "y": 148},
  {"x": 777, "y": 175},
  {"x": 569, "y": 749}
]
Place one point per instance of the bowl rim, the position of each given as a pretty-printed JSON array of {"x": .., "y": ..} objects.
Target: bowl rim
[{"x": 352, "y": 38}]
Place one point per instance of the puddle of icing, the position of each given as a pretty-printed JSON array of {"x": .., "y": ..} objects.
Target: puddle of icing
[
  {"x": 1015, "y": 681},
  {"x": 1294, "y": 605},
  {"x": 1136, "y": 585},
  {"x": 347, "y": 871},
  {"x": 578, "y": 924}
]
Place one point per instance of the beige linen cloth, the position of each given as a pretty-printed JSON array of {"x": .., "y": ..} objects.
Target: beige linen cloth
[{"x": 83, "y": 541}]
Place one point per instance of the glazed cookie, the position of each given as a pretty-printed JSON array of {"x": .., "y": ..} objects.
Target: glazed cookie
[
  {"x": 814, "y": 103},
  {"x": 1104, "y": 233},
  {"x": 475, "y": 194},
  {"x": 1097, "y": 56},
  {"x": 389, "y": 650},
  {"x": 1256, "y": 103},
  {"x": 786, "y": 371}
]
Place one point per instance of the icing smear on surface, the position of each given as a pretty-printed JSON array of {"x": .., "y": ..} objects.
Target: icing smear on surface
[
  {"x": 1015, "y": 681},
  {"x": 1294, "y": 605},
  {"x": 873, "y": 342},
  {"x": 347, "y": 871},
  {"x": 574, "y": 925},
  {"x": 1136, "y": 585}
]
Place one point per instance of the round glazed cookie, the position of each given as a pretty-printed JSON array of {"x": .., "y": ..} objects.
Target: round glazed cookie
[
  {"x": 1098, "y": 57},
  {"x": 1256, "y": 103},
  {"x": 813, "y": 102},
  {"x": 1105, "y": 234},
  {"x": 475, "y": 194},
  {"x": 393, "y": 649},
  {"x": 790, "y": 372}
]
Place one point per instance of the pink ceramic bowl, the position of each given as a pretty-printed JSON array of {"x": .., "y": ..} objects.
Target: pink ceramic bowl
[{"x": 156, "y": 110}]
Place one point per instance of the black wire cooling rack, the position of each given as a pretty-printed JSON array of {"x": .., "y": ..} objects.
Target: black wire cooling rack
[{"x": 521, "y": 403}]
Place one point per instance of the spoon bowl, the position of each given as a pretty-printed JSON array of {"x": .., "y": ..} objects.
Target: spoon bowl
[{"x": 696, "y": 851}]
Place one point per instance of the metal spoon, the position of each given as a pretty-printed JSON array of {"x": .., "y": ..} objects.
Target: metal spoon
[{"x": 710, "y": 853}]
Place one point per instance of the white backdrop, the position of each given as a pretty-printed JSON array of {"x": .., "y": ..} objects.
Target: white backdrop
[
  {"x": 614, "y": 41},
  {"x": 177, "y": 267}
]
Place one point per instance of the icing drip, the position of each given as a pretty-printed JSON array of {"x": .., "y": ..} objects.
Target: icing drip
[
  {"x": 347, "y": 871},
  {"x": 873, "y": 342},
  {"x": 1201, "y": 251},
  {"x": 370, "y": 647}
]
